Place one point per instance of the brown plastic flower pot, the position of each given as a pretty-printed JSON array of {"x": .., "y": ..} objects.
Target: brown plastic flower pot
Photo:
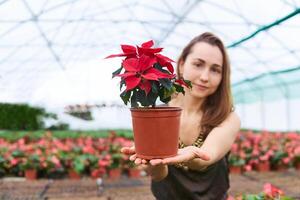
[
  {"x": 74, "y": 175},
  {"x": 134, "y": 173},
  {"x": 30, "y": 174},
  {"x": 114, "y": 173},
  {"x": 156, "y": 131},
  {"x": 263, "y": 167},
  {"x": 235, "y": 169}
]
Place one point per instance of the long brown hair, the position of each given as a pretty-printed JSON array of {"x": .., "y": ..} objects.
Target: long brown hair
[{"x": 218, "y": 105}]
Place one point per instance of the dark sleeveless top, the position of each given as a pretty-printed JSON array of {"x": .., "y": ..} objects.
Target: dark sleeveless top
[{"x": 211, "y": 183}]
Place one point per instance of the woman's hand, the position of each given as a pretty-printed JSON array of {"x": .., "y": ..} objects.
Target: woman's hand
[
  {"x": 142, "y": 164},
  {"x": 185, "y": 154},
  {"x": 156, "y": 170},
  {"x": 130, "y": 151}
]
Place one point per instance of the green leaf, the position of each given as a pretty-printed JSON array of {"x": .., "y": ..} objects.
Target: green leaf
[
  {"x": 18, "y": 153},
  {"x": 154, "y": 86},
  {"x": 141, "y": 97},
  {"x": 168, "y": 93},
  {"x": 118, "y": 71},
  {"x": 165, "y": 100},
  {"x": 133, "y": 100},
  {"x": 159, "y": 67},
  {"x": 151, "y": 98},
  {"x": 162, "y": 97},
  {"x": 166, "y": 83},
  {"x": 179, "y": 88},
  {"x": 122, "y": 83},
  {"x": 125, "y": 96},
  {"x": 189, "y": 83}
]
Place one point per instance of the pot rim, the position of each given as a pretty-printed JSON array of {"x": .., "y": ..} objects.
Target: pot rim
[{"x": 156, "y": 109}]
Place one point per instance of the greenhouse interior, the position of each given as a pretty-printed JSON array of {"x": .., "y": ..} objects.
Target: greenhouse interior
[{"x": 73, "y": 74}]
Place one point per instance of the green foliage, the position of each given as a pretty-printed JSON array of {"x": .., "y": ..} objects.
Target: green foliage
[
  {"x": 79, "y": 163},
  {"x": 235, "y": 160},
  {"x": 263, "y": 196},
  {"x": 31, "y": 162},
  {"x": 278, "y": 156},
  {"x": 33, "y": 135},
  {"x": 59, "y": 126},
  {"x": 84, "y": 115},
  {"x": 162, "y": 89},
  {"x": 22, "y": 117}
]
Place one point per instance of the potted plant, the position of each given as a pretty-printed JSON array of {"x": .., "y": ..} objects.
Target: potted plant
[
  {"x": 149, "y": 75},
  {"x": 30, "y": 165},
  {"x": 297, "y": 157},
  {"x": 53, "y": 166},
  {"x": 270, "y": 192},
  {"x": 115, "y": 160},
  {"x": 99, "y": 169},
  {"x": 77, "y": 167},
  {"x": 263, "y": 164},
  {"x": 235, "y": 163},
  {"x": 133, "y": 171},
  {"x": 280, "y": 160}
]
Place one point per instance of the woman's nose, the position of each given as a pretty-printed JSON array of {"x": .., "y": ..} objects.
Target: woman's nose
[{"x": 204, "y": 75}]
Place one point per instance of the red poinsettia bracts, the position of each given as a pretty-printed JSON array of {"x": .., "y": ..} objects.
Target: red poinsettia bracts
[
  {"x": 130, "y": 51},
  {"x": 147, "y": 75},
  {"x": 140, "y": 71},
  {"x": 181, "y": 82}
]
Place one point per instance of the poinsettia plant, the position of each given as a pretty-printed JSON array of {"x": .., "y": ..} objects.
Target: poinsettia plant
[{"x": 147, "y": 75}]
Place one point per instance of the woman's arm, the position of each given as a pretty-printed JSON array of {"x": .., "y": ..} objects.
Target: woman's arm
[
  {"x": 218, "y": 142},
  {"x": 215, "y": 146}
]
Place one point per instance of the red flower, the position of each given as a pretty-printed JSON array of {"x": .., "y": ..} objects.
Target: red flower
[
  {"x": 182, "y": 82},
  {"x": 145, "y": 73},
  {"x": 128, "y": 51},
  {"x": 103, "y": 163},
  {"x": 272, "y": 191},
  {"x": 141, "y": 69}
]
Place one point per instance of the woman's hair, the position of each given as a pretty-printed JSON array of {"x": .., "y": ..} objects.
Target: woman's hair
[{"x": 218, "y": 105}]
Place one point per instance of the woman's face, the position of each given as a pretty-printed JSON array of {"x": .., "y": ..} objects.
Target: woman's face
[{"x": 203, "y": 67}]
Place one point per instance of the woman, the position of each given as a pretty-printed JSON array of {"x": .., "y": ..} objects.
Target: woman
[{"x": 208, "y": 127}]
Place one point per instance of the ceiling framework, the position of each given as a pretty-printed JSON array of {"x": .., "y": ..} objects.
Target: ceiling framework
[{"x": 41, "y": 36}]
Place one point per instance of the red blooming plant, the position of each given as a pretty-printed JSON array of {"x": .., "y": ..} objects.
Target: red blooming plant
[{"x": 147, "y": 75}]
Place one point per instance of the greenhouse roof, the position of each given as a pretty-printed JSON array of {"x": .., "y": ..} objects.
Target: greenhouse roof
[{"x": 50, "y": 47}]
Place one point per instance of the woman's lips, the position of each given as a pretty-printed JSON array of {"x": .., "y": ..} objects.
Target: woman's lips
[{"x": 200, "y": 87}]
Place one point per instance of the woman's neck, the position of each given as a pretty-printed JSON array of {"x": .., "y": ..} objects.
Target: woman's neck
[{"x": 189, "y": 104}]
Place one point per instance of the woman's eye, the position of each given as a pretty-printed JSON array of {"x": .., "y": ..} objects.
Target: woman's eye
[
  {"x": 198, "y": 64},
  {"x": 215, "y": 70}
]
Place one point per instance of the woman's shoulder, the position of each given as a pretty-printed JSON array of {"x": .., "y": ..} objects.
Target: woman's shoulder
[
  {"x": 234, "y": 117},
  {"x": 232, "y": 120}
]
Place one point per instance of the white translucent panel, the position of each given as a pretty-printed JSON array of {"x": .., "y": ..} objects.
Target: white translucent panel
[
  {"x": 14, "y": 10},
  {"x": 279, "y": 115},
  {"x": 43, "y": 42}
]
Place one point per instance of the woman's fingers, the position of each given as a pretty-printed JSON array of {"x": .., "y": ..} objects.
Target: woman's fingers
[
  {"x": 156, "y": 162},
  {"x": 128, "y": 150},
  {"x": 174, "y": 160},
  {"x": 133, "y": 157},
  {"x": 144, "y": 161},
  {"x": 138, "y": 161}
]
